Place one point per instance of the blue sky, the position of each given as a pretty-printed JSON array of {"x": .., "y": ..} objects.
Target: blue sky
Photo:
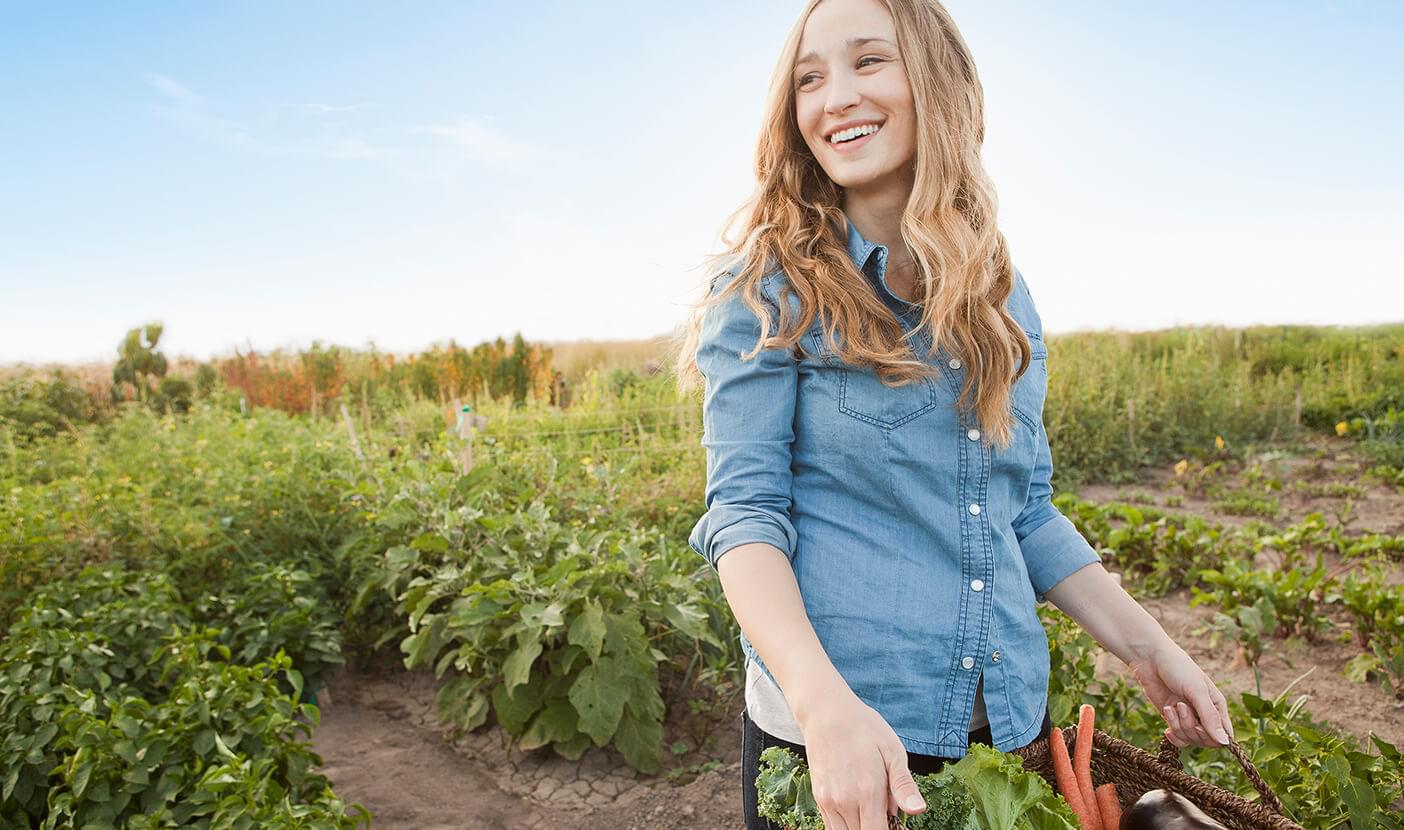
[{"x": 263, "y": 175}]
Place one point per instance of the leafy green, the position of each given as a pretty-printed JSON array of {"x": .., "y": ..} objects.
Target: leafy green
[
  {"x": 985, "y": 790},
  {"x": 1006, "y": 796},
  {"x": 783, "y": 792}
]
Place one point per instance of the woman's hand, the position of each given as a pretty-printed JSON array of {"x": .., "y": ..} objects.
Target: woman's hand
[
  {"x": 858, "y": 766},
  {"x": 1190, "y": 702}
]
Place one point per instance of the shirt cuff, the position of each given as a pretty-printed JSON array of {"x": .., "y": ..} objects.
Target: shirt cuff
[
  {"x": 1054, "y": 551},
  {"x": 727, "y": 526}
]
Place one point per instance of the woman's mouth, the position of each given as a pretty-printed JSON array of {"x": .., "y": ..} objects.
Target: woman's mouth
[{"x": 847, "y": 141}]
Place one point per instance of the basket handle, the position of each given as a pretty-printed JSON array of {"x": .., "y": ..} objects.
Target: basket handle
[{"x": 1170, "y": 756}]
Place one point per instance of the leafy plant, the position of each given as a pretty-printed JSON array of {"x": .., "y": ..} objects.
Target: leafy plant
[{"x": 985, "y": 789}]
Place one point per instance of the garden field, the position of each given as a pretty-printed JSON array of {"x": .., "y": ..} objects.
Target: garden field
[{"x": 296, "y": 609}]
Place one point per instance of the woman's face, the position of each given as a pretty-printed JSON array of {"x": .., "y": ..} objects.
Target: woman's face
[{"x": 849, "y": 74}]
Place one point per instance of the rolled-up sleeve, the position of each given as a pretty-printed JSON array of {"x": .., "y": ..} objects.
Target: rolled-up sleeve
[
  {"x": 748, "y": 413},
  {"x": 1051, "y": 544}
]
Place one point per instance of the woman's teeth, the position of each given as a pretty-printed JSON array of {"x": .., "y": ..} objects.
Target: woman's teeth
[{"x": 854, "y": 132}]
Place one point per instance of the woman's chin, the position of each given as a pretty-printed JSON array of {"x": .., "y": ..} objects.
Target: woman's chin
[{"x": 856, "y": 179}]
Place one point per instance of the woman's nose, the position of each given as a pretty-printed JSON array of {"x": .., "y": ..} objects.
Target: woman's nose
[{"x": 843, "y": 95}]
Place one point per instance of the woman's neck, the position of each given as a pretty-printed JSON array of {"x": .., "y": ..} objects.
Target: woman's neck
[{"x": 878, "y": 218}]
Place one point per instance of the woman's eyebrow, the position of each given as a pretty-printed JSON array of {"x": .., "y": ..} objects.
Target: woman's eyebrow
[{"x": 853, "y": 43}]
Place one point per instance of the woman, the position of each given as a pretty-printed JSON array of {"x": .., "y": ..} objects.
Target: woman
[{"x": 878, "y": 489}]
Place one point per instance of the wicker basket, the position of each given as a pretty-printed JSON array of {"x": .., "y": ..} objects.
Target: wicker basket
[{"x": 1135, "y": 771}]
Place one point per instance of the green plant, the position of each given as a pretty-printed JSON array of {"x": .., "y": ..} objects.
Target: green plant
[
  {"x": 1376, "y": 610},
  {"x": 138, "y": 361},
  {"x": 1248, "y": 502},
  {"x": 1284, "y": 603},
  {"x": 117, "y": 710}
]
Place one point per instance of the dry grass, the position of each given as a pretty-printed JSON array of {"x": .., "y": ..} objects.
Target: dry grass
[{"x": 574, "y": 357}]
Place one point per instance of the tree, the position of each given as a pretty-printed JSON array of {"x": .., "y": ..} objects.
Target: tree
[{"x": 138, "y": 362}]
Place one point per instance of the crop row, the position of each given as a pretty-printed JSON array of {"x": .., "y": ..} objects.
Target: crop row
[{"x": 1264, "y": 582}]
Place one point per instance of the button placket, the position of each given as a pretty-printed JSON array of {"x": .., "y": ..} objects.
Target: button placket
[{"x": 976, "y": 552}]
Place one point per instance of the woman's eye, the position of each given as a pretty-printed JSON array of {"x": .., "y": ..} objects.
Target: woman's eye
[{"x": 804, "y": 79}]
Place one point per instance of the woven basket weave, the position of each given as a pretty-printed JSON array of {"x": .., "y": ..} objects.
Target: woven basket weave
[{"x": 1135, "y": 771}]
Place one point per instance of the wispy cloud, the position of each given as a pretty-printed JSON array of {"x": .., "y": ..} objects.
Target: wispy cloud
[
  {"x": 481, "y": 142},
  {"x": 442, "y": 150},
  {"x": 337, "y": 108},
  {"x": 173, "y": 89}
]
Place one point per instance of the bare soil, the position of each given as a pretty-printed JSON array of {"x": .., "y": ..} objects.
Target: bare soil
[{"x": 383, "y": 748}]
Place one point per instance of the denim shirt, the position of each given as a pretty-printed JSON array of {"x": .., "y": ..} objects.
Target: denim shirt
[{"x": 919, "y": 550}]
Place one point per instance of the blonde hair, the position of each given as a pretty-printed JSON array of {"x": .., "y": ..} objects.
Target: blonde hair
[{"x": 793, "y": 221}]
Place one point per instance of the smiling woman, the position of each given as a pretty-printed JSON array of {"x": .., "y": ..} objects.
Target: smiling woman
[
  {"x": 878, "y": 473},
  {"x": 825, "y": 85}
]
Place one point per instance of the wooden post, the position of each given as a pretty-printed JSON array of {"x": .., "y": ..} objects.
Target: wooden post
[
  {"x": 351, "y": 430},
  {"x": 314, "y": 401},
  {"x": 1131, "y": 423},
  {"x": 1297, "y": 411},
  {"x": 465, "y": 435},
  {"x": 365, "y": 405}
]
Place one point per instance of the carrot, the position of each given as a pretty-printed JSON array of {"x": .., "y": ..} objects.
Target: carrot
[
  {"x": 1109, "y": 806},
  {"x": 1063, "y": 774},
  {"x": 1082, "y": 763}
]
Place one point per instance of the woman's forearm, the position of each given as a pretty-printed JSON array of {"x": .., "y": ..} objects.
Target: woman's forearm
[
  {"x": 1099, "y": 604},
  {"x": 760, "y": 586}
]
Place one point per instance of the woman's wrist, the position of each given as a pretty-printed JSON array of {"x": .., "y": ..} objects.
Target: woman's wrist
[{"x": 813, "y": 695}]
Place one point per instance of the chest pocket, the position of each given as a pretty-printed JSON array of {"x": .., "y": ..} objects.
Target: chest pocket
[
  {"x": 1031, "y": 389},
  {"x": 864, "y": 396}
]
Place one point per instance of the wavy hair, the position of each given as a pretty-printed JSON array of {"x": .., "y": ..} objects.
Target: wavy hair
[{"x": 794, "y": 222}]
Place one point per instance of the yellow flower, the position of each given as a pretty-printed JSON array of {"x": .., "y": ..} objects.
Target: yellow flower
[
  {"x": 1218, "y": 442},
  {"x": 1341, "y": 429},
  {"x": 587, "y": 460},
  {"x": 1181, "y": 466}
]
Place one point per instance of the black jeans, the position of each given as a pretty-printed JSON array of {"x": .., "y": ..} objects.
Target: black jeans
[{"x": 754, "y": 740}]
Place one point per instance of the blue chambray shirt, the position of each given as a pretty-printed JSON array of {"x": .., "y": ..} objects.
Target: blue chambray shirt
[{"x": 919, "y": 550}]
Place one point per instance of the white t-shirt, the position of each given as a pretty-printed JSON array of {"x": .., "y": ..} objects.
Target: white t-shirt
[{"x": 766, "y": 706}]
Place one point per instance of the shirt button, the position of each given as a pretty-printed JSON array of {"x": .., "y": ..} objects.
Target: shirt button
[
  {"x": 974, "y": 509},
  {"x": 977, "y": 584},
  {"x": 955, "y": 363},
  {"x": 973, "y": 435},
  {"x": 968, "y": 662},
  {"x": 995, "y": 656}
]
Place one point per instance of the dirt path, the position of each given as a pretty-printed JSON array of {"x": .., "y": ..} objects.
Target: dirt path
[{"x": 382, "y": 748}]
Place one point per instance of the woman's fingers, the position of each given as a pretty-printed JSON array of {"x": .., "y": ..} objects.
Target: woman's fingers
[
  {"x": 1198, "y": 731},
  {"x": 1207, "y": 717},
  {"x": 1189, "y": 727},
  {"x": 871, "y": 816},
  {"x": 832, "y": 820},
  {"x": 1221, "y": 705},
  {"x": 1185, "y": 729},
  {"x": 1173, "y": 733}
]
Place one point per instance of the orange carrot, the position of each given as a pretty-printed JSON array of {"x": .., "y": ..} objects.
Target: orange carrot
[
  {"x": 1063, "y": 774},
  {"x": 1082, "y": 763},
  {"x": 1109, "y": 806}
]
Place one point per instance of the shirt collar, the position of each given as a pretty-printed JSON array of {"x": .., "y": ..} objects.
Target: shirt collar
[{"x": 871, "y": 260}]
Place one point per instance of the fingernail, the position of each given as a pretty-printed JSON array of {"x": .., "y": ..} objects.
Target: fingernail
[
  {"x": 913, "y": 804},
  {"x": 1222, "y": 736}
]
